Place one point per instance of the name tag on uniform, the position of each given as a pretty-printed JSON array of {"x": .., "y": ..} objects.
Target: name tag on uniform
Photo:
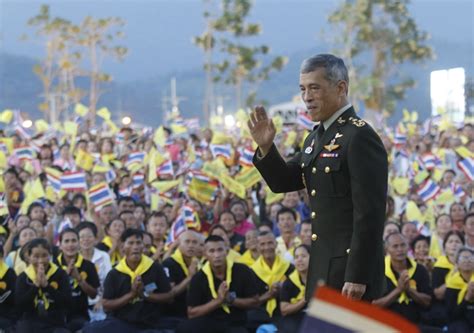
[{"x": 329, "y": 155}]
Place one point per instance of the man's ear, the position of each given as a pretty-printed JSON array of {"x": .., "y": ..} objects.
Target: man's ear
[{"x": 342, "y": 88}]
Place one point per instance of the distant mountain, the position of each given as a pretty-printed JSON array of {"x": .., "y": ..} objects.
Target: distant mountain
[{"x": 142, "y": 99}]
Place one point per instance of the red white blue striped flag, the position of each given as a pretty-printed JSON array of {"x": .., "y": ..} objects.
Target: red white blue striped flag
[
  {"x": 467, "y": 167},
  {"x": 100, "y": 195},
  {"x": 305, "y": 121},
  {"x": 428, "y": 190},
  {"x": 73, "y": 181}
]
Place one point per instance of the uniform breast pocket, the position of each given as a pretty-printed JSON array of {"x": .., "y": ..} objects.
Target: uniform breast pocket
[{"x": 331, "y": 179}]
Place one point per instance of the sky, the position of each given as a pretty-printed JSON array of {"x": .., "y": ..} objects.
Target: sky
[{"x": 159, "y": 32}]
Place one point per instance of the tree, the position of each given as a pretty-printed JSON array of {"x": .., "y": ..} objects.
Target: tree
[
  {"x": 384, "y": 32},
  {"x": 74, "y": 51},
  {"x": 228, "y": 32}
]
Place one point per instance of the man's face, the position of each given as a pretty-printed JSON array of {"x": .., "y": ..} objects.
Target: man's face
[
  {"x": 126, "y": 205},
  {"x": 188, "y": 243},
  {"x": 321, "y": 97},
  {"x": 69, "y": 244},
  {"x": 107, "y": 214},
  {"x": 397, "y": 247},
  {"x": 216, "y": 253},
  {"x": 305, "y": 233},
  {"x": 133, "y": 248},
  {"x": 286, "y": 223},
  {"x": 469, "y": 227},
  {"x": 291, "y": 199},
  {"x": 267, "y": 246}
]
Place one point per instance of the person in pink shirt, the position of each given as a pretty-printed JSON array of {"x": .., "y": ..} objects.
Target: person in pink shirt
[{"x": 240, "y": 210}]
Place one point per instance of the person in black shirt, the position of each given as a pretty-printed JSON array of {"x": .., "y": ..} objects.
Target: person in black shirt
[
  {"x": 180, "y": 268},
  {"x": 292, "y": 301},
  {"x": 220, "y": 293},
  {"x": 83, "y": 278},
  {"x": 8, "y": 314},
  {"x": 133, "y": 290},
  {"x": 408, "y": 287},
  {"x": 42, "y": 292}
]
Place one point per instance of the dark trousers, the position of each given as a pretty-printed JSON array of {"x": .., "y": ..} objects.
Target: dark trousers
[
  {"x": 38, "y": 326},
  {"x": 208, "y": 325},
  {"x": 114, "y": 325}
]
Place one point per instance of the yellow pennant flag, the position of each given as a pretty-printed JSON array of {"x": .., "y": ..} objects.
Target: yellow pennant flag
[
  {"x": 3, "y": 161},
  {"x": 6, "y": 116},
  {"x": 41, "y": 126},
  {"x": 81, "y": 109},
  {"x": 201, "y": 190},
  {"x": 70, "y": 128},
  {"x": 98, "y": 168},
  {"x": 445, "y": 198},
  {"x": 166, "y": 185},
  {"x": 34, "y": 191},
  {"x": 220, "y": 138},
  {"x": 413, "y": 212},
  {"x": 406, "y": 116},
  {"x": 401, "y": 185},
  {"x": 437, "y": 174},
  {"x": 151, "y": 156},
  {"x": 233, "y": 186},
  {"x": 51, "y": 194},
  {"x": 84, "y": 160},
  {"x": 160, "y": 137},
  {"x": 104, "y": 113},
  {"x": 215, "y": 168},
  {"x": 113, "y": 128},
  {"x": 421, "y": 176},
  {"x": 278, "y": 122},
  {"x": 273, "y": 197},
  {"x": 464, "y": 152},
  {"x": 178, "y": 129},
  {"x": 248, "y": 177}
]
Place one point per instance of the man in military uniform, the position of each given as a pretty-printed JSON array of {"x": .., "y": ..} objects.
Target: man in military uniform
[{"x": 343, "y": 165}]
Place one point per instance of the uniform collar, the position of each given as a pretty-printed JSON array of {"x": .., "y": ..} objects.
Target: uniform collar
[{"x": 327, "y": 123}]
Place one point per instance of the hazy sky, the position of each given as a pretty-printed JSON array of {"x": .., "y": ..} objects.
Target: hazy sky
[{"x": 159, "y": 32}]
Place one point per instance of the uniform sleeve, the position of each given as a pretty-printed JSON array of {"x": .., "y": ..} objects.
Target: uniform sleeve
[
  {"x": 196, "y": 289},
  {"x": 280, "y": 176},
  {"x": 92, "y": 276},
  {"x": 162, "y": 282},
  {"x": 368, "y": 168}
]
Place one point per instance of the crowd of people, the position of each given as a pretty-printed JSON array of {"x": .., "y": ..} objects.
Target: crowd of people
[{"x": 174, "y": 230}]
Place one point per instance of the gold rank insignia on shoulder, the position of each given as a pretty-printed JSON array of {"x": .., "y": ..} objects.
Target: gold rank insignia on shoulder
[
  {"x": 358, "y": 122},
  {"x": 341, "y": 121}
]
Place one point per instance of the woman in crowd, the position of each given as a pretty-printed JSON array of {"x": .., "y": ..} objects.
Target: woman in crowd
[
  {"x": 420, "y": 248},
  {"x": 14, "y": 259},
  {"x": 251, "y": 253},
  {"x": 457, "y": 211},
  {"x": 111, "y": 242},
  {"x": 443, "y": 225},
  {"x": 292, "y": 301},
  {"x": 227, "y": 220}
]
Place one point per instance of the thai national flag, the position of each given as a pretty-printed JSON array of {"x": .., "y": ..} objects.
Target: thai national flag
[
  {"x": 138, "y": 180},
  {"x": 136, "y": 157},
  {"x": 178, "y": 227},
  {"x": 191, "y": 218},
  {"x": 428, "y": 190},
  {"x": 457, "y": 190},
  {"x": 165, "y": 168},
  {"x": 221, "y": 150},
  {"x": 330, "y": 311},
  {"x": 119, "y": 138},
  {"x": 305, "y": 121},
  {"x": 110, "y": 175},
  {"x": 54, "y": 178},
  {"x": 192, "y": 123},
  {"x": 467, "y": 167},
  {"x": 24, "y": 153},
  {"x": 100, "y": 195},
  {"x": 246, "y": 157},
  {"x": 430, "y": 161},
  {"x": 400, "y": 138},
  {"x": 73, "y": 181}
]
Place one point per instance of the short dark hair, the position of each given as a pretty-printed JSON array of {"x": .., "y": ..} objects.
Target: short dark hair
[
  {"x": 304, "y": 246},
  {"x": 390, "y": 235},
  {"x": 68, "y": 231},
  {"x": 125, "y": 198},
  {"x": 37, "y": 242},
  {"x": 156, "y": 215},
  {"x": 107, "y": 227},
  {"x": 450, "y": 233},
  {"x": 226, "y": 211},
  {"x": 264, "y": 233},
  {"x": 125, "y": 212},
  {"x": 87, "y": 225},
  {"x": 216, "y": 226},
  {"x": 306, "y": 221},
  {"x": 71, "y": 210},
  {"x": 285, "y": 210},
  {"x": 419, "y": 238},
  {"x": 32, "y": 206},
  {"x": 130, "y": 233},
  {"x": 213, "y": 238}
]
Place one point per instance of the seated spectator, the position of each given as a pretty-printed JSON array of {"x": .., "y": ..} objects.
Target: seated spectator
[
  {"x": 157, "y": 226},
  {"x": 83, "y": 278},
  {"x": 306, "y": 232},
  {"x": 271, "y": 271},
  {"x": 227, "y": 220},
  {"x": 218, "y": 230},
  {"x": 14, "y": 259},
  {"x": 251, "y": 253},
  {"x": 180, "y": 268},
  {"x": 100, "y": 259},
  {"x": 389, "y": 228},
  {"x": 469, "y": 230},
  {"x": 240, "y": 210},
  {"x": 286, "y": 243},
  {"x": 420, "y": 248},
  {"x": 8, "y": 313},
  {"x": 111, "y": 242},
  {"x": 133, "y": 290},
  {"x": 130, "y": 220},
  {"x": 409, "y": 231},
  {"x": 460, "y": 293},
  {"x": 408, "y": 285},
  {"x": 443, "y": 226},
  {"x": 220, "y": 293},
  {"x": 42, "y": 292},
  {"x": 292, "y": 294}
]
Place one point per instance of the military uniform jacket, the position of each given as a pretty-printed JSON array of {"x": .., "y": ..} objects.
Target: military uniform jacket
[{"x": 345, "y": 173}]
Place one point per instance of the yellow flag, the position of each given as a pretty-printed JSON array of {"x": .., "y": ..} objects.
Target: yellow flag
[
  {"x": 278, "y": 122},
  {"x": 413, "y": 212},
  {"x": 273, "y": 197},
  {"x": 290, "y": 139},
  {"x": 3, "y": 161},
  {"x": 113, "y": 128},
  {"x": 98, "y": 168},
  {"x": 81, "y": 109},
  {"x": 220, "y": 138},
  {"x": 445, "y": 198},
  {"x": 160, "y": 137},
  {"x": 178, "y": 129},
  {"x": 51, "y": 194},
  {"x": 34, "y": 191},
  {"x": 6, "y": 116},
  {"x": 41, "y": 126},
  {"x": 166, "y": 185},
  {"x": 151, "y": 156},
  {"x": 401, "y": 185},
  {"x": 406, "y": 116},
  {"x": 104, "y": 113},
  {"x": 414, "y": 117},
  {"x": 421, "y": 176},
  {"x": 248, "y": 177},
  {"x": 84, "y": 160},
  {"x": 437, "y": 174},
  {"x": 242, "y": 117},
  {"x": 215, "y": 168},
  {"x": 233, "y": 186},
  {"x": 464, "y": 152},
  {"x": 2, "y": 185},
  {"x": 70, "y": 128}
]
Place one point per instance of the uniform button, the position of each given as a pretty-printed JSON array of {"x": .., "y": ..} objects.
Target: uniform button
[
  {"x": 314, "y": 237},
  {"x": 313, "y": 215},
  {"x": 313, "y": 193},
  {"x": 302, "y": 165},
  {"x": 313, "y": 170},
  {"x": 348, "y": 251},
  {"x": 327, "y": 169}
]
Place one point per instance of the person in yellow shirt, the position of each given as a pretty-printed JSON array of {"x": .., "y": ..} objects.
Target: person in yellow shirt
[
  {"x": 286, "y": 243},
  {"x": 251, "y": 253}
]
